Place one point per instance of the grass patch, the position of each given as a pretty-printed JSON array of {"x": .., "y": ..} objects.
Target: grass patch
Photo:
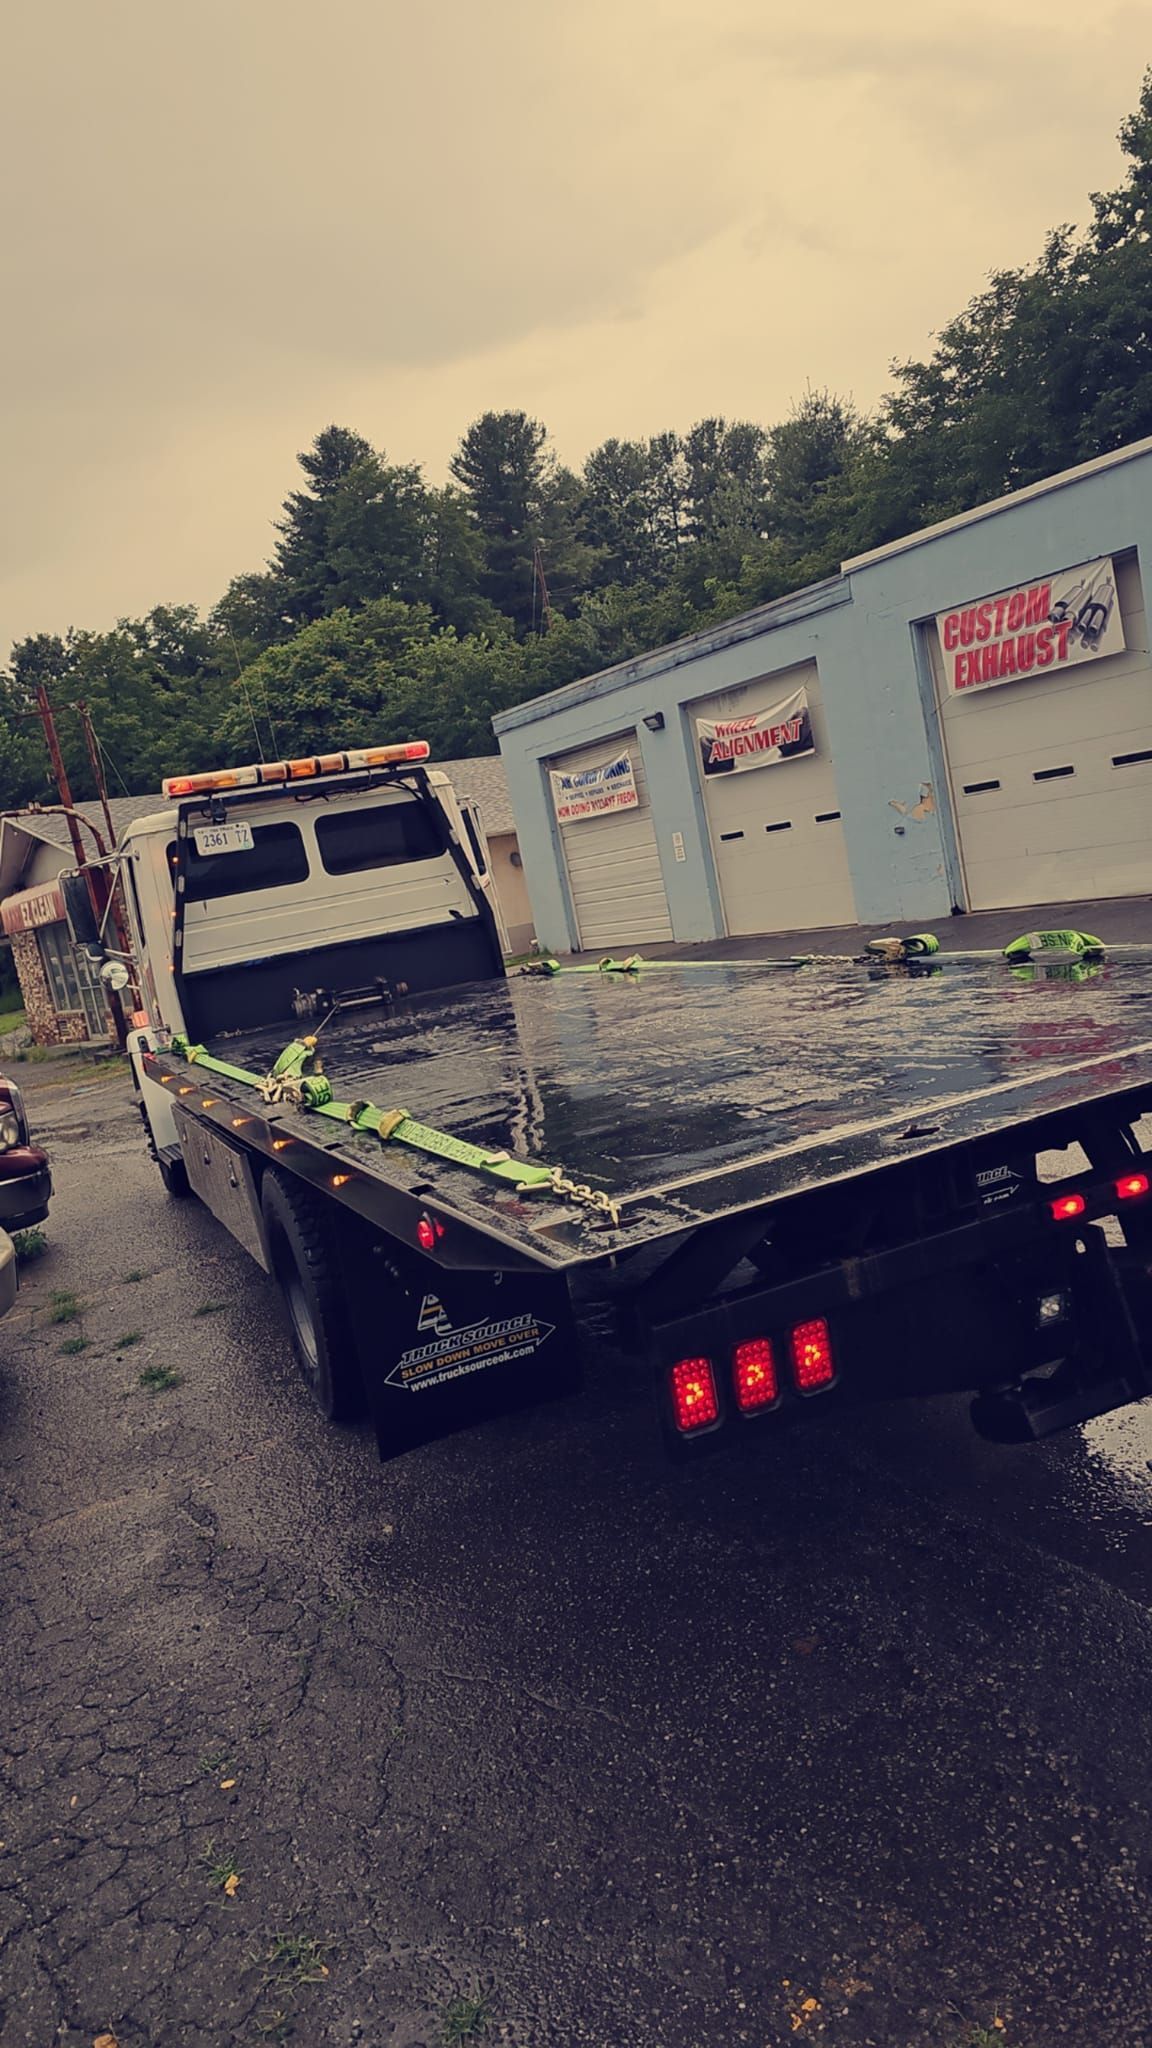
[
  {"x": 73, "y": 1346},
  {"x": 210, "y": 1308},
  {"x": 129, "y": 1338},
  {"x": 30, "y": 1245},
  {"x": 214, "y": 1761},
  {"x": 221, "y": 1869},
  {"x": 466, "y": 2019},
  {"x": 65, "y": 1308},
  {"x": 293, "y": 1960},
  {"x": 158, "y": 1379},
  {"x": 137, "y": 1274}
]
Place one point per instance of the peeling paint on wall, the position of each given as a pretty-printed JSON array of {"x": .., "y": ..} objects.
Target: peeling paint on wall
[{"x": 925, "y": 808}]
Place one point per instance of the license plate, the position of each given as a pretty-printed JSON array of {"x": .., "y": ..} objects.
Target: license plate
[{"x": 223, "y": 839}]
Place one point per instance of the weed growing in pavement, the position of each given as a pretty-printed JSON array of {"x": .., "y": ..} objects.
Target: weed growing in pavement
[
  {"x": 73, "y": 1346},
  {"x": 274, "y": 2026},
  {"x": 986, "y": 2037},
  {"x": 222, "y": 1868},
  {"x": 210, "y": 1308},
  {"x": 293, "y": 1960},
  {"x": 137, "y": 1274},
  {"x": 214, "y": 1761},
  {"x": 64, "y": 1307},
  {"x": 158, "y": 1379},
  {"x": 30, "y": 1245},
  {"x": 465, "y": 2020},
  {"x": 129, "y": 1338}
]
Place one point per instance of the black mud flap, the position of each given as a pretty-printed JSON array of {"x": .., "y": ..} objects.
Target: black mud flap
[{"x": 470, "y": 1347}]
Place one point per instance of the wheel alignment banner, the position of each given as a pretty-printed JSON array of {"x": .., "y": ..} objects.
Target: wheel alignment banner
[
  {"x": 781, "y": 732},
  {"x": 1033, "y": 629}
]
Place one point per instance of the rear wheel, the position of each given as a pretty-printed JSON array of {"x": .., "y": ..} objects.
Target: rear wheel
[{"x": 306, "y": 1266}]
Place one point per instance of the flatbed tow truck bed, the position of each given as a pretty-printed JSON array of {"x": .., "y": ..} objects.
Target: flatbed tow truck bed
[
  {"x": 695, "y": 1092},
  {"x": 830, "y": 1179}
]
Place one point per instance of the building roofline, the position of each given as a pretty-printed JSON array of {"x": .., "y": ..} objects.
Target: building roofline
[
  {"x": 1065, "y": 477},
  {"x": 781, "y": 611}
]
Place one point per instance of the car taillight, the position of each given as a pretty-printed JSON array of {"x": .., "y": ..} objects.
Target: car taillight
[
  {"x": 694, "y": 1399},
  {"x": 812, "y": 1361},
  {"x": 426, "y": 1235},
  {"x": 754, "y": 1374},
  {"x": 1132, "y": 1186},
  {"x": 1065, "y": 1207}
]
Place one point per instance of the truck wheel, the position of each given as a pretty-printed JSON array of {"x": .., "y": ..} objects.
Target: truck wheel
[{"x": 306, "y": 1266}]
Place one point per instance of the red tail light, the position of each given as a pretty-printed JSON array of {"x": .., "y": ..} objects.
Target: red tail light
[
  {"x": 425, "y": 1235},
  {"x": 812, "y": 1361},
  {"x": 1132, "y": 1186},
  {"x": 694, "y": 1400},
  {"x": 754, "y": 1375},
  {"x": 1065, "y": 1207}
]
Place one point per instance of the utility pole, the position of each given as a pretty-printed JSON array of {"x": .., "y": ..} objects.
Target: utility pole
[
  {"x": 60, "y": 778},
  {"x": 101, "y": 884}
]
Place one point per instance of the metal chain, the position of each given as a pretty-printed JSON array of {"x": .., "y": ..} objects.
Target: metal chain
[{"x": 579, "y": 1191}]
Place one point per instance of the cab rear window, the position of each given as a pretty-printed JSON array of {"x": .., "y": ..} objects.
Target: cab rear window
[
  {"x": 385, "y": 836},
  {"x": 276, "y": 858}
]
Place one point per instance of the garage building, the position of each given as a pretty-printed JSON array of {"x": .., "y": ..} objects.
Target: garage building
[{"x": 958, "y": 721}]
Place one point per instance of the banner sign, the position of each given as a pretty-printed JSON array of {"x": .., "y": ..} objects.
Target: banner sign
[
  {"x": 1036, "y": 628},
  {"x": 781, "y": 733},
  {"x": 31, "y": 908},
  {"x": 591, "y": 792}
]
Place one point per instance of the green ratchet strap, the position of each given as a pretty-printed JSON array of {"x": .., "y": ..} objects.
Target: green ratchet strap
[
  {"x": 296, "y": 1079},
  {"x": 1075, "y": 944}
]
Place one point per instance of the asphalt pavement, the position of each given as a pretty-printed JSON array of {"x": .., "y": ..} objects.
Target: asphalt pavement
[{"x": 528, "y": 1737}]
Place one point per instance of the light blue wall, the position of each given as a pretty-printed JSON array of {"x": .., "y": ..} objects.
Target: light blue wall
[{"x": 862, "y": 629}]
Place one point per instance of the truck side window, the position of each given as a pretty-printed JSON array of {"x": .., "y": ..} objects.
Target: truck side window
[
  {"x": 277, "y": 857},
  {"x": 385, "y": 836}
]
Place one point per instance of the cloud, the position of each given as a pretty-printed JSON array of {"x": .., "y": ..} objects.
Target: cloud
[{"x": 227, "y": 225}]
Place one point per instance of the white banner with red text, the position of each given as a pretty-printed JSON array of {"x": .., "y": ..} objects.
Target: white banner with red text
[
  {"x": 780, "y": 733},
  {"x": 1032, "y": 630},
  {"x": 593, "y": 792}
]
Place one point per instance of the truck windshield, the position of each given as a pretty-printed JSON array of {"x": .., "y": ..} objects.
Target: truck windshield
[
  {"x": 276, "y": 858},
  {"x": 385, "y": 836}
]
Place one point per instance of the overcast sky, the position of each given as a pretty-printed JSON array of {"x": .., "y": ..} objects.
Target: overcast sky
[{"x": 229, "y": 222}]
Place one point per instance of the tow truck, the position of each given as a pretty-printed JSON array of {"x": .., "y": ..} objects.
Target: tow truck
[{"x": 798, "y": 1187}]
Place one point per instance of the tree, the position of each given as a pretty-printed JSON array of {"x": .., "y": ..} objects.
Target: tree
[
  {"x": 354, "y": 536},
  {"x": 502, "y": 466}
]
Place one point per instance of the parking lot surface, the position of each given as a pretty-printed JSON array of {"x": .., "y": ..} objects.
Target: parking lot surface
[{"x": 528, "y": 1737}]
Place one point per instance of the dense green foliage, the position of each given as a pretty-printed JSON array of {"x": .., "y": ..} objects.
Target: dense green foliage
[{"x": 391, "y": 609}]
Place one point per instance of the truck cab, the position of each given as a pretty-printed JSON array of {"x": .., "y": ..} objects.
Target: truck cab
[{"x": 277, "y": 893}]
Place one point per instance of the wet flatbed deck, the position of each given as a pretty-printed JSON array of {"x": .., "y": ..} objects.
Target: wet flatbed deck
[{"x": 699, "y": 1089}]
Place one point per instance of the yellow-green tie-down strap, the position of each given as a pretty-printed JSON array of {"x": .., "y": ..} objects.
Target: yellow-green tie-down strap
[{"x": 296, "y": 1079}]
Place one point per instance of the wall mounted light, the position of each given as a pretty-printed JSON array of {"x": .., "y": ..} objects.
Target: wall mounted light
[{"x": 655, "y": 721}]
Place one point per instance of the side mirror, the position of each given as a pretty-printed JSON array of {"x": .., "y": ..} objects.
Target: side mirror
[{"x": 81, "y": 917}]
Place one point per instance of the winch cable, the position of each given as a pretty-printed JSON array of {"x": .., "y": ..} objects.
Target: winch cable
[{"x": 295, "y": 1079}]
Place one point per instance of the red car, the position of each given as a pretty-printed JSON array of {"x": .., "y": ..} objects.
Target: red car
[{"x": 25, "y": 1177}]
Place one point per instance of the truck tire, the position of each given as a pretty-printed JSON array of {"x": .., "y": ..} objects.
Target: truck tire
[{"x": 306, "y": 1266}]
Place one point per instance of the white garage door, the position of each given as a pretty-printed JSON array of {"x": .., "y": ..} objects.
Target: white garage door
[
  {"x": 777, "y": 838},
  {"x": 1052, "y": 780},
  {"x": 612, "y": 861}
]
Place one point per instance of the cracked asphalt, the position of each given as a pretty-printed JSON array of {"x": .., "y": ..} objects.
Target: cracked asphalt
[{"x": 842, "y": 1738}]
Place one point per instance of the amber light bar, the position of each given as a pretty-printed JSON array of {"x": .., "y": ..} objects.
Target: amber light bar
[{"x": 262, "y": 774}]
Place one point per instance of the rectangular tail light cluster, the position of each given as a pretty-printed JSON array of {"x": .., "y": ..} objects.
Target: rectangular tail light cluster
[
  {"x": 1131, "y": 1187},
  {"x": 753, "y": 1376}
]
